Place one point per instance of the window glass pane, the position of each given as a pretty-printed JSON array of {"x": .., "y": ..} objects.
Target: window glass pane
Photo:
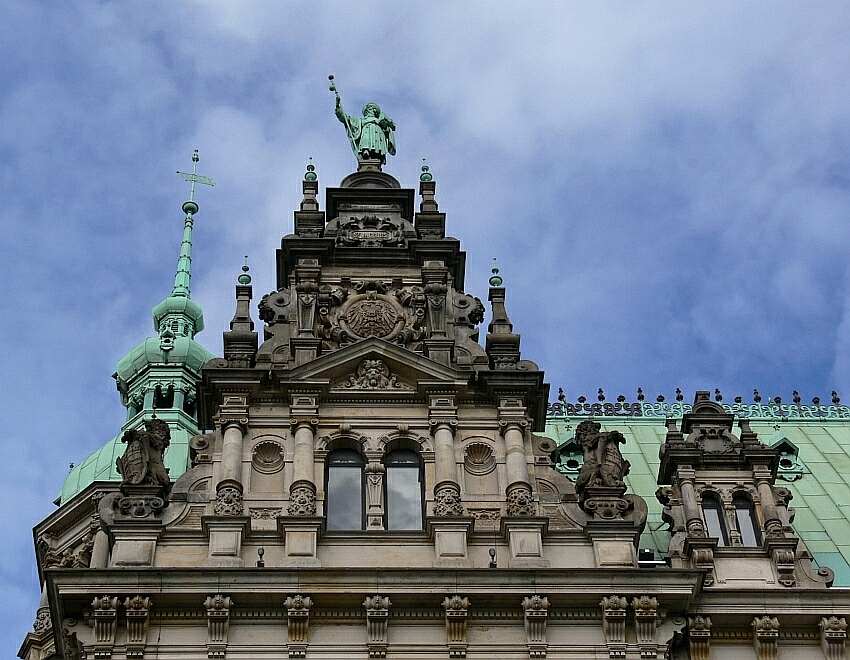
[
  {"x": 404, "y": 490},
  {"x": 746, "y": 522},
  {"x": 344, "y": 497},
  {"x": 714, "y": 521}
]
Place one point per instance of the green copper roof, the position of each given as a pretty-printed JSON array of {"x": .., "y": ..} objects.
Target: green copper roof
[
  {"x": 186, "y": 352},
  {"x": 818, "y": 476}
]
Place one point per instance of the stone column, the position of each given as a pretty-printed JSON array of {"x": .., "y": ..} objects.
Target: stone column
[
  {"x": 519, "y": 496},
  {"x": 300, "y": 527},
  {"x": 447, "y": 524},
  {"x": 772, "y": 522},
  {"x": 227, "y": 526},
  {"x": 693, "y": 514},
  {"x": 302, "y": 491},
  {"x": 446, "y": 490}
]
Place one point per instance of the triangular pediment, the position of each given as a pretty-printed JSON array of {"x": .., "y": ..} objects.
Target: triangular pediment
[{"x": 377, "y": 365}]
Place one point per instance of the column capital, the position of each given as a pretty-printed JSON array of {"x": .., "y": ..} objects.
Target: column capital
[
  {"x": 299, "y": 422},
  {"x": 443, "y": 422},
  {"x": 506, "y": 424}
]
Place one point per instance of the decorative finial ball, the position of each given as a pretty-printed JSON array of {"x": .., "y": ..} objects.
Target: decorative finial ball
[
  {"x": 195, "y": 157},
  {"x": 311, "y": 173},
  {"x": 244, "y": 278},
  {"x": 190, "y": 208},
  {"x": 426, "y": 175},
  {"x": 495, "y": 280}
]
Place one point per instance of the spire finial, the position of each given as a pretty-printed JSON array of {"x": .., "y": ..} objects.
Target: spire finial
[
  {"x": 190, "y": 208},
  {"x": 311, "y": 171},
  {"x": 426, "y": 175},
  {"x": 245, "y": 278},
  {"x": 495, "y": 280}
]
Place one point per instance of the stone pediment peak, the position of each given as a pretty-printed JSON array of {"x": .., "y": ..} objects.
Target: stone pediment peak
[{"x": 400, "y": 361}]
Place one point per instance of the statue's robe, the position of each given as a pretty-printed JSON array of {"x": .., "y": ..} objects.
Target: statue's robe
[{"x": 370, "y": 136}]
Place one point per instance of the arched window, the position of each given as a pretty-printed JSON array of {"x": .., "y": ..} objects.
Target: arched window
[
  {"x": 404, "y": 491},
  {"x": 344, "y": 493},
  {"x": 745, "y": 516},
  {"x": 712, "y": 511}
]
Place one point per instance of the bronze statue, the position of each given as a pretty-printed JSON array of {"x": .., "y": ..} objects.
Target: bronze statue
[
  {"x": 142, "y": 462},
  {"x": 372, "y": 136},
  {"x": 604, "y": 465}
]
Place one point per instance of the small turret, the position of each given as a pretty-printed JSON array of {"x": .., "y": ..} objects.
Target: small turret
[
  {"x": 502, "y": 344},
  {"x": 240, "y": 344}
]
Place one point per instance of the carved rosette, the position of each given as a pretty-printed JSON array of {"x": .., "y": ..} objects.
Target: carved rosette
[
  {"x": 699, "y": 637},
  {"x": 536, "y": 611},
  {"x": 302, "y": 500},
  {"x": 137, "y": 611},
  {"x": 520, "y": 501},
  {"x": 447, "y": 501},
  {"x": 218, "y": 624},
  {"x": 377, "y": 616},
  {"x": 105, "y": 619},
  {"x": 833, "y": 637},
  {"x": 457, "y": 612},
  {"x": 297, "y": 624},
  {"x": 228, "y": 500}
]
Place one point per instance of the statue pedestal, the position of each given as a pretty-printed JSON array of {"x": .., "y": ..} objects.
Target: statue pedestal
[
  {"x": 135, "y": 528},
  {"x": 450, "y": 536}
]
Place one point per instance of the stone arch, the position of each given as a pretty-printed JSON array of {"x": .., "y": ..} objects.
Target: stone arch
[
  {"x": 405, "y": 440},
  {"x": 342, "y": 439}
]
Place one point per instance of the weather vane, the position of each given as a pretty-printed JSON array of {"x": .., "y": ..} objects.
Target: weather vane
[{"x": 194, "y": 177}]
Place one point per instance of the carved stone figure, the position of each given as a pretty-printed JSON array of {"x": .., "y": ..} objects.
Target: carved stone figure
[
  {"x": 142, "y": 462},
  {"x": 604, "y": 465},
  {"x": 372, "y": 136}
]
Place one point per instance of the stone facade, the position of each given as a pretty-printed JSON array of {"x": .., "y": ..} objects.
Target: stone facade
[{"x": 375, "y": 483}]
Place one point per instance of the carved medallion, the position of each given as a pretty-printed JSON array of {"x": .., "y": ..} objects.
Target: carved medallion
[{"x": 371, "y": 316}]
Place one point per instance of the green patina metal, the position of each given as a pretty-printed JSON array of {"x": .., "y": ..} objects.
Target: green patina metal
[
  {"x": 372, "y": 136},
  {"x": 814, "y": 441},
  {"x": 160, "y": 375}
]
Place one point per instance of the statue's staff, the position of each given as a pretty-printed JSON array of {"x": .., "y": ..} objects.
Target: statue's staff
[{"x": 343, "y": 117}]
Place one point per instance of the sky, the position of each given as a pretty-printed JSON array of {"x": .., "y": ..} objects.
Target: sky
[{"x": 665, "y": 186}]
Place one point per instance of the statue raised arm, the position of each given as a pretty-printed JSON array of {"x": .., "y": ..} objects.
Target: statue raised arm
[{"x": 372, "y": 136}]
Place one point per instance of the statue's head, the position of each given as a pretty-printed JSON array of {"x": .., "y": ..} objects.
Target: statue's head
[{"x": 371, "y": 110}]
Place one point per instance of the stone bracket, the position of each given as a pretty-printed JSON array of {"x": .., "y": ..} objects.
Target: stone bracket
[
  {"x": 457, "y": 613},
  {"x": 104, "y": 621},
  {"x": 536, "y": 613},
  {"x": 699, "y": 637},
  {"x": 297, "y": 624},
  {"x": 766, "y": 637},
  {"x": 377, "y": 615},
  {"x": 218, "y": 624},
  {"x": 137, "y": 611},
  {"x": 833, "y": 637},
  {"x": 614, "y": 625}
]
